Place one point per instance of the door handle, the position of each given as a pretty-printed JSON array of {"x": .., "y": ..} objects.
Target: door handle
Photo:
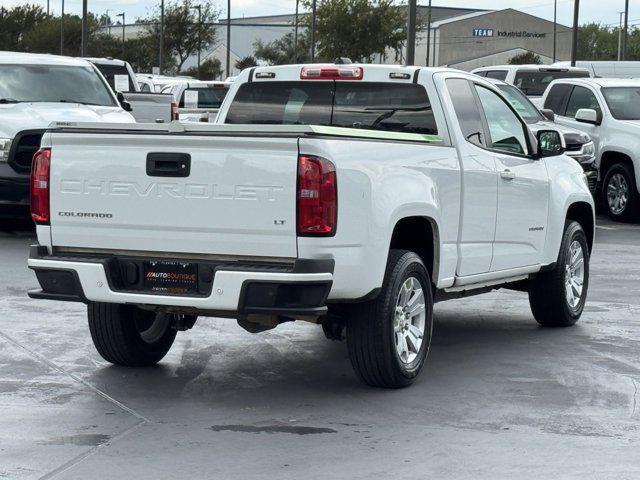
[
  {"x": 168, "y": 164},
  {"x": 507, "y": 175}
]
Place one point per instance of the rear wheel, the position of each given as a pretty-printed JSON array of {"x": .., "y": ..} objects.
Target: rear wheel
[
  {"x": 557, "y": 297},
  {"x": 621, "y": 193},
  {"x": 127, "y": 335},
  {"x": 389, "y": 337}
]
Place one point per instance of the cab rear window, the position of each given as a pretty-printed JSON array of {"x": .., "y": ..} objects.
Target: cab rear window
[
  {"x": 208, "y": 97},
  {"x": 534, "y": 83},
  {"x": 369, "y": 105}
]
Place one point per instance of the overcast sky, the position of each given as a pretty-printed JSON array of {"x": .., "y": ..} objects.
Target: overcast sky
[{"x": 604, "y": 11}]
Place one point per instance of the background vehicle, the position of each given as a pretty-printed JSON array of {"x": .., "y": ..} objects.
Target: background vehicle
[
  {"x": 578, "y": 144},
  {"x": 147, "y": 106},
  {"x": 609, "y": 111},
  {"x": 531, "y": 79},
  {"x": 408, "y": 182},
  {"x": 155, "y": 83},
  {"x": 198, "y": 101},
  {"x": 36, "y": 90},
  {"x": 607, "y": 69}
]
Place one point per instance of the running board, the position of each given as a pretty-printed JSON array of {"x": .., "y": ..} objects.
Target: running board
[{"x": 486, "y": 284}]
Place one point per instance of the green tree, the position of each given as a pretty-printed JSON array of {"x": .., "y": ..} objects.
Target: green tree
[
  {"x": 597, "y": 42},
  {"x": 525, "y": 58},
  {"x": 15, "y": 22},
  {"x": 358, "y": 29},
  {"x": 183, "y": 34},
  {"x": 210, "y": 69},
  {"x": 246, "y": 62},
  {"x": 283, "y": 51}
]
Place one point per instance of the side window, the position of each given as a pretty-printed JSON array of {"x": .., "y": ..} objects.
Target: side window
[
  {"x": 482, "y": 74},
  {"x": 581, "y": 97},
  {"x": 497, "y": 74},
  {"x": 144, "y": 87},
  {"x": 467, "y": 110},
  {"x": 557, "y": 97},
  {"x": 505, "y": 128}
]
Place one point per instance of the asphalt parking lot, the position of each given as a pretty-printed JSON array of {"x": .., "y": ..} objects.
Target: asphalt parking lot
[{"x": 500, "y": 397}]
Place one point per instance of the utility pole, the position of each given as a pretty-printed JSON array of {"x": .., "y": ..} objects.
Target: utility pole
[
  {"x": 84, "y": 38},
  {"x": 199, "y": 8},
  {"x": 574, "y": 33},
  {"x": 228, "y": 38},
  {"x": 123, "y": 24},
  {"x": 411, "y": 32},
  {"x": 62, "y": 30},
  {"x": 429, "y": 35},
  {"x": 295, "y": 36},
  {"x": 626, "y": 30},
  {"x": 313, "y": 31},
  {"x": 620, "y": 37},
  {"x": 47, "y": 8},
  {"x": 555, "y": 28},
  {"x": 161, "y": 39}
]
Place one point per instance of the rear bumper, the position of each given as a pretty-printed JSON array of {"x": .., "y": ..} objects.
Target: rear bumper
[{"x": 300, "y": 290}]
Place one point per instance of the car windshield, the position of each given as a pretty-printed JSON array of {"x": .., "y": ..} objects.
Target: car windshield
[
  {"x": 521, "y": 103},
  {"x": 624, "y": 102},
  {"x": 534, "y": 83},
  {"x": 53, "y": 83}
]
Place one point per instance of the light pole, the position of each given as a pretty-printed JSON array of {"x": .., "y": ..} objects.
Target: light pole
[
  {"x": 626, "y": 30},
  {"x": 199, "y": 8},
  {"x": 62, "y": 30},
  {"x": 411, "y": 32},
  {"x": 555, "y": 28},
  {"x": 295, "y": 36},
  {"x": 428, "y": 35},
  {"x": 620, "y": 37},
  {"x": 574, "y": 33},
  {"x": 228, "y": 38},
  {"x": 313, "y": 31},
  {"x": 84, "y": 37},
  {"x": 123, "y": 24},
  {"x": 161, "y": 40}
]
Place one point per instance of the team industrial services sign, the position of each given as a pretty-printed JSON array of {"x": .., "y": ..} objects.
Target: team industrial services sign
[{"x": 490, "y": 32}]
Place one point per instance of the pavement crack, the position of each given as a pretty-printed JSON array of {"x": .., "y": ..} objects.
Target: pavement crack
[
  {"x": 84, "y": 455},
  {"x": 91, "y": 387}
]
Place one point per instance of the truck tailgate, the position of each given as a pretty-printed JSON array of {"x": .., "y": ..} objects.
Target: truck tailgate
[{"x": 109, "y": 191}]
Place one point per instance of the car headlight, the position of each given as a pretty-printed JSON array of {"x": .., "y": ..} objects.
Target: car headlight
[
  {"x": 5, "y": 146},
  {"x": 587, "y": 154},
  {"x": 589, "y": 149}
]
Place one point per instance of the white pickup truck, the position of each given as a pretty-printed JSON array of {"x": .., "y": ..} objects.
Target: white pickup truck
[
  {"x": 348, "y": 195},
  {"x": 36, "y": 90},
  {"x": 608, "y": 109}
]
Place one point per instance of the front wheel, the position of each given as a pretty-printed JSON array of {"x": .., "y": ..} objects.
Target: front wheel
[
  {"x": 621, "y": 194},
  {"x": 557, "y": 297},
  {"x": 389, "y": 338},
  {"x": 127, "y": 335}
]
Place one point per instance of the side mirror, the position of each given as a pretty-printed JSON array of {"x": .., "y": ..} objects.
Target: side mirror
[
  {"x": 126, "y": 106},
  {"x": 548, "y": 114},
  {"x": 550, "y": 143},
  {"x": 587, "y": 115}
]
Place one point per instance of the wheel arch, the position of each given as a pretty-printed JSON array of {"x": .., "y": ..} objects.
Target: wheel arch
[
  {"x": 419, "y": 234},
  {"x": 611, "y": 157},
  {"x": 582, "y": 212}
]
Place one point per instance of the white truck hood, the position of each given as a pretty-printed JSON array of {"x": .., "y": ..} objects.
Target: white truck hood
[{"x": 16, "y": 117}]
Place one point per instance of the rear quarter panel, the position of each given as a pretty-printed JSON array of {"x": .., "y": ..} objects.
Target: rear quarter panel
[{"x": 379, "y": 183}]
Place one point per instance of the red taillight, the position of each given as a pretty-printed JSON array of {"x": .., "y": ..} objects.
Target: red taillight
[
  {"x": 175, "y": 111},
  {"x": 331, "y": 73},
  {"x": 40, "y": 168},
  {"x": 317, "y": 196}
]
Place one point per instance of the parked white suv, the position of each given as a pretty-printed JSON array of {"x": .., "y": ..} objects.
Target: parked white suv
[
  {"x": 340, "y": 194},
  {"x": 531, "y": 79},
  {"x": 36, "y": 90},
  {"x": 608, "y": 110}
]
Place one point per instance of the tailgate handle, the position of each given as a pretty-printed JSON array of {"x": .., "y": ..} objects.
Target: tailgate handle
[{"x": 168, "y": 164}]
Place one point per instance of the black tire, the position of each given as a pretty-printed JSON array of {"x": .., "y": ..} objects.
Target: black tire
[
  {"x": 548, "y": 291},
  {"x": 370, "y": 327},
  {"x": 631, "y": 212},
  {"x": 129, "y": 336}
]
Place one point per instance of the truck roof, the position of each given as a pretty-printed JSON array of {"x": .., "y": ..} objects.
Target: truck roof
[
  {"x": 532, "y": 67},
  {"x": 7, "y": 58},
  {"x": 602, "y": 82}
]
